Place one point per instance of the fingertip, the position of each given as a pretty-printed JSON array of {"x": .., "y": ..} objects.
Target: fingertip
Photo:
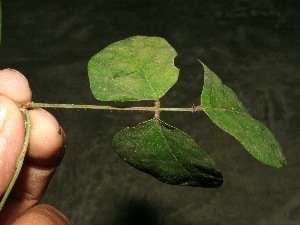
[
  {"x": 15, "y": 86},
  {"x": 46, "y": 145}
]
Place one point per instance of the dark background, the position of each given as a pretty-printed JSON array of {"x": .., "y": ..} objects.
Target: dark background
[{"x": 252, "y": 45}]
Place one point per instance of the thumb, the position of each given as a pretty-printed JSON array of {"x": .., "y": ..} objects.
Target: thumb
[
  {"x": 42, "y": 215},
  {"x": 12, "y": 134}
]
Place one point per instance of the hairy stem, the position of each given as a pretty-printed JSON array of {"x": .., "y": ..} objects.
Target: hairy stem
[{"x": 100, "y": 107}]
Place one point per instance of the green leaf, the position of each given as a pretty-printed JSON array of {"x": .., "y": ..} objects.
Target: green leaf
[
  {"x": 166, "y": 153},
  {"x": 137, "y": 68},
  {"x": 223, "y": 107}
]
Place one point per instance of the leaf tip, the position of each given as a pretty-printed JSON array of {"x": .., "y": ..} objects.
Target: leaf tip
[
  {"x": 204, "y": 66},
  {"x": 283, "y": 163}
]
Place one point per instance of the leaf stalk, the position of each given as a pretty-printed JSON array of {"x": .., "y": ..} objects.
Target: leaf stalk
[{"x": 155, "y": 109}]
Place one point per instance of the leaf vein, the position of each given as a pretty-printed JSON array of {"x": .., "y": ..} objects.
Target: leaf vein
[{"x": 170, "y": 149}]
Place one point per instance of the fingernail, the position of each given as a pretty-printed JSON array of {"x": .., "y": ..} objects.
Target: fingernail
[{"x": 2, "y": 115}]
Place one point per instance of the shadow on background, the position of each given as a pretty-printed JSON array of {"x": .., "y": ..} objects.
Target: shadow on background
[{"x": 138, "y": 212}]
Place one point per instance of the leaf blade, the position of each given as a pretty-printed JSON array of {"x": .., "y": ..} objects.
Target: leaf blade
[
  {"x": 133, "y": 69},
  {"x": 223, "y": 107},
  {"x": 166, "y": 153}
]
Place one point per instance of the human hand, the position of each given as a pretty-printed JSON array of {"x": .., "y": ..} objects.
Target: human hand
[{"x": 45, "y": 151}]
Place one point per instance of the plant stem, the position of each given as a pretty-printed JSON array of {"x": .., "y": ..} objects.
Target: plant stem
[{"x": 117, "y": 108}]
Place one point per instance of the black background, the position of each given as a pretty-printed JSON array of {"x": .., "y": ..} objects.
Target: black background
[{"x": 252, "y": 45}]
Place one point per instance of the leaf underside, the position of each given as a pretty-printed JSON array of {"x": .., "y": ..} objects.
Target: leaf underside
[
  {"x": 166, "y": 153},
  {"x": 134, "y": 69},
  {"x": 223, "y": 107}
]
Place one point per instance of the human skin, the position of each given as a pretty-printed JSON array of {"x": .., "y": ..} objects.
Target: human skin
[{"x": 44, "y": 154}]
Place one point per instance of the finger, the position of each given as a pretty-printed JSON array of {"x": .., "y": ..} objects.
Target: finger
[
  {"x": 26, "y": 193},
  {"x": 12, "y": 133},
  {"x": 45, "y": 152},
  {"x": 14, "y": 86},
  {"x": 46, "y": 146},
  {"x": 42, "y": 215},
  {"x": 14, "y": 89}
]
